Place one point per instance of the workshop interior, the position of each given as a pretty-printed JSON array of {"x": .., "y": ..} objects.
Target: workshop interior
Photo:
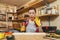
[{"x": 29, "y": 19}]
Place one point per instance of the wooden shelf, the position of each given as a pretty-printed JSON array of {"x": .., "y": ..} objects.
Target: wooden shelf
[
  {"x": 28, "y": 7},
  {"x": 21, "y": 20},
  {"x": 49, "y": 15},
  {"x": 35, "y": 5},
  {"x": 3, "y": 14},
  {"x": 13, "y": 20},
  {"x": 1, "y": 30},
  {"x": 2, "y": 20},
  {"x": 16, "y": 20},
  {"x": 10, "y": 13},
  {"x": 2, "y": 27}
]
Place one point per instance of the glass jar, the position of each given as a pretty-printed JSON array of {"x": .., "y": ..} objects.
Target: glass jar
[
  {"x": 43, "y": 11},
  {"x": 49, "y": 10}
]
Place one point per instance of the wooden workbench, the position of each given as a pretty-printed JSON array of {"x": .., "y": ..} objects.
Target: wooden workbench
[{"x": 30, "y": 36}]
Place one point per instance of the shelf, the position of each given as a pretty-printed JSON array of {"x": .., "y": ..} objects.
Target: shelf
[
  {"x": 49, "y": 15},
  {"x": 26, "y": 9},
  {"x": 3, "y": 14},
  {"x": 2, "y": 27},
  {"x": 21, "y": 20},
  {"x": 10, "y": 13},
  {"x": 35, "y": 5},
  {"x": 13, "y": 20},
  {"x": 3, "y": 30},
  {"x": 2, "y": 20},
  {"x": 16, "y": 20},
  {"x": 10, "y": 20}
]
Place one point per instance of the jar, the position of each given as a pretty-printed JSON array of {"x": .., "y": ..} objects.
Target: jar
[
  {"x": 43, "y": 11},
  {"x": 49, "y": 10},
  {"x": 53, "y": 11}
]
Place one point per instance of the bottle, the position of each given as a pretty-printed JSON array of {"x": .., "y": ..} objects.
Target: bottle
[
  {"x": 54, "y": 10},
  {"x": 57, "y": 9}
]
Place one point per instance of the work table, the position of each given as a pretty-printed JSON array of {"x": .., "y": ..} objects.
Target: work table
[{"x": 29, "y": 36}]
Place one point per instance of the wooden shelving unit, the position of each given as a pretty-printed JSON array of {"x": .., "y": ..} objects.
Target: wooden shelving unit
[
  {"x": 5, "y": 10},
  {"x": 2, "y": 19},
  {"x": 15, "y": 22},
  {"x": 7, "y": 21}
]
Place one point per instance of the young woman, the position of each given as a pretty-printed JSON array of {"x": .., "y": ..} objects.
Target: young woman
[{"x": 33, "y": 22}]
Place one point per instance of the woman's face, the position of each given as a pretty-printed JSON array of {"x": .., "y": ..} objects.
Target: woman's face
[{"x": 32, "y": 13}]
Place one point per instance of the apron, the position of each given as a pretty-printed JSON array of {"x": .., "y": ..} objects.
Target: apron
[{"x": 31, "y": 27}]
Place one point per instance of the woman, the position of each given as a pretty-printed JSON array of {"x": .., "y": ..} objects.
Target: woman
[{"x": 33, "y": 22}]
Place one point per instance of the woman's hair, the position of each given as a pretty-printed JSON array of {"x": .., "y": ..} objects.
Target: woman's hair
[{"x": 32, "y": 9}]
